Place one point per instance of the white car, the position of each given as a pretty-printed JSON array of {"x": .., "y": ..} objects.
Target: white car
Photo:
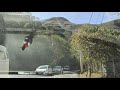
[
  {"x": 66, "y": 68},
  {"x": 57, "y": 69},
  {"x": 44, "y": 69}
]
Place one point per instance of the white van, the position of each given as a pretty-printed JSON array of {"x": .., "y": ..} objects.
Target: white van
[{"x": 4, "y": 60}]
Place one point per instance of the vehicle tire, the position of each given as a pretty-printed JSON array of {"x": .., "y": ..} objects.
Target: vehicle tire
[
  {"x": 37, "y": 73},
  {"x": 45, "y": 74},
  {"x": 51, "y": 74}
]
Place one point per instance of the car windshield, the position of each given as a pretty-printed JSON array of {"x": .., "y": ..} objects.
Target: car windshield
[
  {"x": 57, "y": 67},
  {"x": 66, "y": 66},
  {"x": 43, "y": 67}
]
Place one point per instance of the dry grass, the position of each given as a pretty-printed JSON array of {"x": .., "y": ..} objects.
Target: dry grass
[{"x": 94, "y": 75}]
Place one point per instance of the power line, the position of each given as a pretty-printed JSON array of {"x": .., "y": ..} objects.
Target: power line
[
  {"x": 103, "y": 17},
  {"x": 90, "y": 17},
  {"x": 77, "y": 17},
  {"x": 98, "y": 18}
]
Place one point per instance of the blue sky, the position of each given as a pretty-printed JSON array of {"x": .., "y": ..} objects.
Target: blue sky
[{"x": 78, "y": 17}]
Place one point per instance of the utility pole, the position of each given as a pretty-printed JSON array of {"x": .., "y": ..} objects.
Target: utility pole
[{"x": 81, "y": 61}]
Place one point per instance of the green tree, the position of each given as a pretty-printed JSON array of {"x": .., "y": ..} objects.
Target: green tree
[
  {"x": 98, "y": 45},
  {"x": 61, "y": 52}
]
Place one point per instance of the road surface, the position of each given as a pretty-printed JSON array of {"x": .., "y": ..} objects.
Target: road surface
[{"x": 66, "y": 74}]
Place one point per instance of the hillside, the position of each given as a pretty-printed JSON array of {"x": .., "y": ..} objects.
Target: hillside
[
  {"x": 113, "y": 24},
  {"x": 56, "y": 21}
]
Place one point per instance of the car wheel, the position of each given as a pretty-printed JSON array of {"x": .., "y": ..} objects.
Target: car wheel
[
  {"x": 44, "y": 74},
  {"x": 37, "y": 73},
  {"x": 51, "y": 74}
]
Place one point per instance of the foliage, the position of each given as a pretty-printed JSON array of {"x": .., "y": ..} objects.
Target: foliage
[
  {"x": 61, "y": 54},
  {"x": 98, "y": 44}
]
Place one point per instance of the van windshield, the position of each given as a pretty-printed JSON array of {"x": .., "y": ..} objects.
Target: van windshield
[{"x": 2, "y": 55}]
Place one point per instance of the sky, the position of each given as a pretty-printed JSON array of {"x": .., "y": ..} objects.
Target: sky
[{"x": 80, "y": 17}]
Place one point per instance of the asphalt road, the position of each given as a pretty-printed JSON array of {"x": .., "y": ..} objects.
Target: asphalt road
[{"x": 66, "y": 74}]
